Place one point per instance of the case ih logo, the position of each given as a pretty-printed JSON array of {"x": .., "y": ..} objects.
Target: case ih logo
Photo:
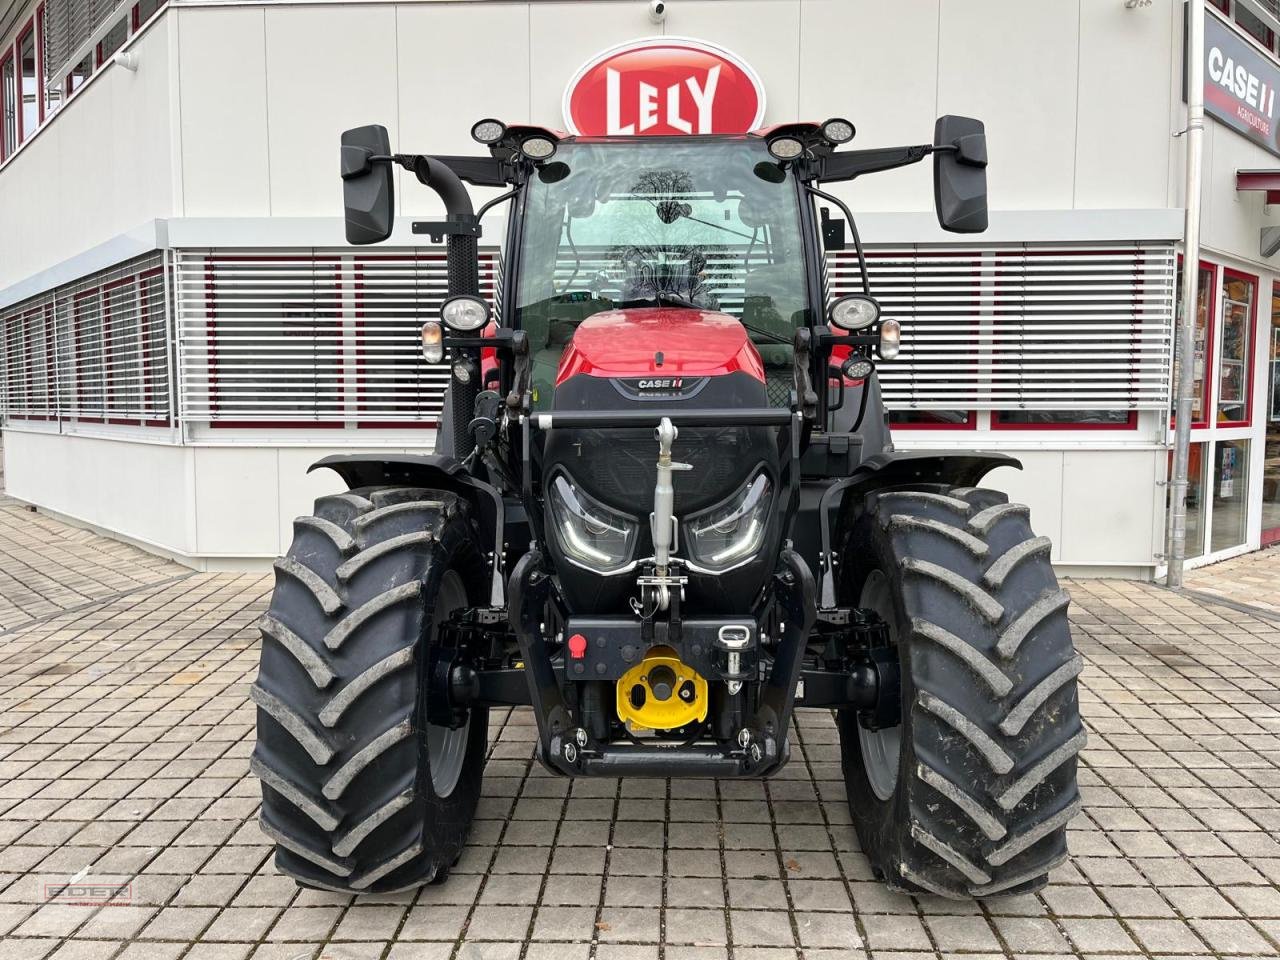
[
  {"x": 660, "y": 388},
  {"x": 665, "y": 86}
]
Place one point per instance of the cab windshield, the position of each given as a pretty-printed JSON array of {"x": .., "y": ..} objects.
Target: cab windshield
[{"x": 706, "y": 223}]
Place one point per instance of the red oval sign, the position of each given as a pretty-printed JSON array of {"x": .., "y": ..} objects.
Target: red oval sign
[{"x": 663, "y": 86}]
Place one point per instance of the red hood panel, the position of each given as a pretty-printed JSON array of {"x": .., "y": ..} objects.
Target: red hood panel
[{"x": 626, "y": 343}]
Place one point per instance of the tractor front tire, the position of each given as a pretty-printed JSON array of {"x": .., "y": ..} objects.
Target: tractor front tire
[
  {"x": 359, "y": 792},
  {"x": 970, "y": 795}
]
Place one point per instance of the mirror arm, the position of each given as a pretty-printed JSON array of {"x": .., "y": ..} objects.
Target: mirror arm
[
  {"x": 853, "y": 229},
  {"x": 838, "y": 167}
]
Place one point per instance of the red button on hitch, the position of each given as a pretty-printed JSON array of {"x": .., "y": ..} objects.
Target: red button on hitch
[{"x": 577, "y": 646}]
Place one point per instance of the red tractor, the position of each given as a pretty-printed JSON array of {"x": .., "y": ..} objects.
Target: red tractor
[{"x": 664, "y": 511}]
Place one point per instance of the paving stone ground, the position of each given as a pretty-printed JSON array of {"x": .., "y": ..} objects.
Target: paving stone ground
[{"x": 125, "y": 732}]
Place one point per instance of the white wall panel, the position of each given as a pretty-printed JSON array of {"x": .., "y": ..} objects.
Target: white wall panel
[
  {"x": 1107, "y": 506},
  {"x": 1013, "y": 64},
  {"x": 1121, "y": 126},
  {"x": 101, "y": 167},
  {"x": 1234, "y": 219},
  {"x": 765, "y": 33},
  {"x": 223, "y": 101},
  {"x": 877, "y": 64},
  {"x": 563, "y": 36},
  {"x": 435, "y": 63},
  {"x": 1039, "y": 485},
  {"x": 236, "y": 504},
  {"x": 137, "y": 489},
  {"x": 329, "y": 68}
]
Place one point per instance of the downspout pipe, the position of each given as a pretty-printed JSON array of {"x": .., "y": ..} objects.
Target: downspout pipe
[{"x": 1176, "y": 552}]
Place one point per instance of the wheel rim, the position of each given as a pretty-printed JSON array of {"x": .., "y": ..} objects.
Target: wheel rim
[
  {"x": 881, "y": 749},
  {"x": 447, "y": 748}
]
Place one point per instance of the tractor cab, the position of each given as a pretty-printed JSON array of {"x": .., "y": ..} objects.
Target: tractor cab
[{"x": 698, "y": 227}]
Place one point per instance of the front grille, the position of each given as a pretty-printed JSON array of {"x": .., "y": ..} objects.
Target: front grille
[{"x": 619, "y": 467}]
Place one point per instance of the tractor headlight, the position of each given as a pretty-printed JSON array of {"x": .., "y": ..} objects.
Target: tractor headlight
[
  {"x": 464, "y": 313},
  {"x": 785, "y": 148},
  {"x": 854, "y": 312},
  {"x": 838, "y": 130},
  {"x": 488, "y": 131},
  {"x": 538, "y": 147},
  {"x": 590, "y": 534},
  {"x": 732, "y": 533}
]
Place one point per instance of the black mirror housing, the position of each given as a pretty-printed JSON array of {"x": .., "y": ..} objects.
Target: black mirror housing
[
  {"x": 960, "y": 174},
  {"x": 368, "y": 190}
]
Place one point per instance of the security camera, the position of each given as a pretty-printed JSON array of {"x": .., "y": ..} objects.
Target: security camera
[{"x": 657, "y": 11}]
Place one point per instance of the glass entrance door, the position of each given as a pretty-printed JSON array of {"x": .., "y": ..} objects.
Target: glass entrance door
[{"x": 1271, "y": 460}]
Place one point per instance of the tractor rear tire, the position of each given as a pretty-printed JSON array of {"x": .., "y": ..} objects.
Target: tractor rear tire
[
  {"x": 359, "y": 792},
  {"x": 971, "y": 794}
]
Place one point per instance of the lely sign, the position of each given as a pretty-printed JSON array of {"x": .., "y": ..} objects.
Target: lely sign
[
  {"x": 1240, "y": 84},
  {"x": 663, "y": 86}
]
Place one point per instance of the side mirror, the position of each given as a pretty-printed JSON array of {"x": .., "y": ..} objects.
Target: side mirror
[
  {"x": 960, "y": 174},
  {"x": 368, "y": 191}
]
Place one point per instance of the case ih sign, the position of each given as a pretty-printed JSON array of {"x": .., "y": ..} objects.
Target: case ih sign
[
  {"x": 663, "y": 86},
  {"x": 1240, "y": 84}
]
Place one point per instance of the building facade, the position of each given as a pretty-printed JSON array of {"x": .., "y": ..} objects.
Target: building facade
[{"x": 185, "y": 331}]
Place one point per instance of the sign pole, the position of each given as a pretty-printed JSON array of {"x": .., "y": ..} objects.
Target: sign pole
[{"x": 1177, "y": 548}]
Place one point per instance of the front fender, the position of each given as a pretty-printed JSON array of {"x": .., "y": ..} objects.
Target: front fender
[
  {"x": 436, "y": 472},
  {"x": 898, "y": 468}
]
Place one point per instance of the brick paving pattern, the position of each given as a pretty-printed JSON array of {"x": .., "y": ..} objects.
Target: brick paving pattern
[
  {"x": 1249, "y": 580},
  {"x": 125, "y": 732},
  {"x": 49, "y": 566}
]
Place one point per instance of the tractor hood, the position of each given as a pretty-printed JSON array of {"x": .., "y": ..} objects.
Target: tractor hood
[{"x": 660, "y": 342}]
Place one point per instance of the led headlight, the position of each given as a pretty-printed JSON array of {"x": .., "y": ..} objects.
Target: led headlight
[
  {"x": 538, "y": 148},
  {"x": 785, "y": 148},
  {"x": 732, "y": 533},
  {"x": 488, "y": 131},
  {"x": 590, "y": 534},
  {"x": 857, "y": 368},
  {"x": 464, "y": 313},
  {"x": 854, "y": 312},
  {"x": 837, "y": 130}
]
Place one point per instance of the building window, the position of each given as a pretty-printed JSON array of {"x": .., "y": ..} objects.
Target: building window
[
  {"x": 144, "y": 11},
  {"x": 1195, "y": 497},
  {"x": 81, "y": 72},
  {"x": 1230, "y": 494},
  {"x": 1248, "y": 22},
  {"x": 52, "y": 96},
  {"x": 113, "y": 41},
  {"x": 1239, "y": 293},
  {"x": 1199, "y": 342},
  {"x": 932, "y": 419},
  {"x": 1077, "y": 419},
  {"x": 87, "y": 352},
  {"x": 1254, "y": 27},
  {"x": 8, "y": 106},
  {"x": 32, "y": 110}
]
